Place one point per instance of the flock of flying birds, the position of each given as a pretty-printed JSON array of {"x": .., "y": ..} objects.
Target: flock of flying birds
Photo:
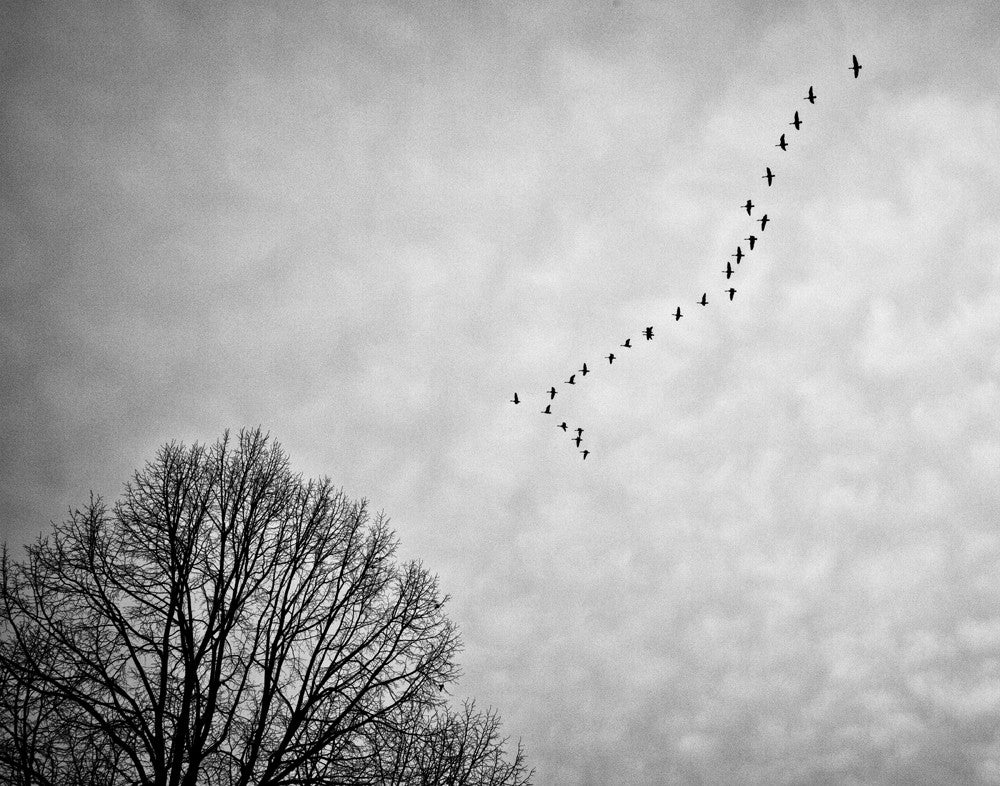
[{"x": 769, "y": 176}]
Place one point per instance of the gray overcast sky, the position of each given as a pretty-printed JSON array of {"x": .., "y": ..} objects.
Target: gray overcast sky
[{"x": 363, "y": 227}]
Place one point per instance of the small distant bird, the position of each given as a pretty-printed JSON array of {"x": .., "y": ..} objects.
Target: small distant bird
[
  {"x": 440, "y": 686},
  {"x": 752, "y": 240},
  {"x": 552, "y": 393},
  {"x": 738, "y": 254},
  {"x": 579, "y": 431},
  {"x": 611, "y": 359},
  {"x": 729, "y": 270},
  {"x": 584, "y": 370},
  {"x": 577, "y": 439},
  {"x": 769, "y": 177},
  {"x": 731, "y": 292},
  {"x": 704, "y": 299},
  {"x": 811, "y": 98},
  {"x": 782, "y": 143},
  {"x": 547, "y": 410},
  {"x": 748, "y": 206},
  {"x": 515, "y": 400},
  {"x": 627, "y": 344},
  {"x": 796, "y": 122},
  {"x": 585, "y": 453},
  {"x": 571, "y": 380},
  {"x": 649, "y": 333},
  {"x": 763, "y": 222},
  {"x": 856, "y": 67},
  {"x": 563, "y": 426},
  {"x": 678, "y": 314}
]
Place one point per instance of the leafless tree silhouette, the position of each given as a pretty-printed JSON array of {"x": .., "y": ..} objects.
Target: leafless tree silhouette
[{"x": 227, "y": 623}]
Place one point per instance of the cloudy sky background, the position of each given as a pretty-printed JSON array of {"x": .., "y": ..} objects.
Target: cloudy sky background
[{"x": 364, "y": 227}]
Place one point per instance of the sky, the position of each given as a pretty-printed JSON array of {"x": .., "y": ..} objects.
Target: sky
[{"x": 364, "y": 226}]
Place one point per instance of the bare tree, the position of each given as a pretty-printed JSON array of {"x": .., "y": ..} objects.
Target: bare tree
[{"x": 227, "y": 623}]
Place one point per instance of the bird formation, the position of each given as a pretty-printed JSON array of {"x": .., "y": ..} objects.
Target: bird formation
[{"x": 770, "y": 177}]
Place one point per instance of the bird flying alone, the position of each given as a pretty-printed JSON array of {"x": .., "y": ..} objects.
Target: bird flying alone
[
  {"x": 739, "y": 254},
  {"x": 796, "y": 122},
  {"x": 811, "y": 98},
  {"x": 678, "y": 314},
  {"x": 627, "y": 344},
  {"x": 515, "y": 400},
  {"x": 704, "y": 299},
  {"x": 552, "y": 393},
  {"x": 769, "y": 177},
  {"x": 763, "y": 222},
  {"x": 563, "y": 426},
  {"x": 731, "y": 292},
  {"x": 611, "y": 358},
  {"x": 585, "y": 453},
  {"x": 748, "y": 206},
  {"x": 649, "y": 333},
  {"x": 571, "y": 380},
  {"x": 752, "y": 240},
  {"x": 729, "y": 270},
  {"x": 856, "y": 67},
  {"x": 782, "y": 143},
  {"x": 547, "y": 410},
  {"x": 584, "y": 370}
]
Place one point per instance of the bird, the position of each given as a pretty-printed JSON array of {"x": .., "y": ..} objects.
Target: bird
[
  {"x": 552, "y": 393},
  {"x": 763, "y": 222},
  {"x": 704, "y": 299},
  {"x": 856, "y": 67},
  {"x": 579, "y": 431},
  {"x": 782, "y": 143},
  {"x": 440, "y": 686},
  {"x": 649, "y": 333},
  {"x": 577, "y": 439},
  {"x": 571, "y": 380},
  {"x": 738, "y": 254},
  {"x": 584, "y": 370},
  {"x": 752, "y": 240},
  {"x": 796, "y": 122},
  {"x": 547, "y": 410},
  {"x": 585, "y": 453},
  {"x": 563, "y": 426},
  {"x": 811, "y": 98},
  {"x": 515, "y": 400},
  {"x": 748, "y": 206},
  {"x": 731, "y": 292},
  {"x": 627, "y": 344},
  {"x": 769, "y": 177},
  {"x": 678, "y": 314},
  {"x": 729, "y": 270},
  {"x": 611, "y": 359}
]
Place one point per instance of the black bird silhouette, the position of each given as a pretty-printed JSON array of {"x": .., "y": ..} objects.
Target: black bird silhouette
[
  {"x": 769, "y": 177},
  {"x": 611, "y": 358},
  {"x": 577, "y": 439},
  {"x": 678, "y": 314},
  {"x": 763, "y": 222},
  {"x": 440, "y": 686},
  {"x": 811, "y": 98},
  {"x": 729, "y": 270},
  {"x": 738, "y": 254},
  {"x": 704, "y": 299},
  {"x": 856, "y": 67},
  {"x": 649, "y": 333},
  {"x": 796, "y": 122},
  {"x": 584, "y": 370},
  {"x": 547, "y": 410},
  {"x": 782, "y": 143},
  {"x": 579, "y": 431},
  {"x": 563, "y": 426},
  {"x": 752, "y": 240},
  {"x": 731, "y": 292},
  {"x": 748, "y": 206},
  {"x": 627, "y": 344},
  {"x": 515, "y": 400},
  {"x": 552, "y": 393},
  {"x": 585, "y": 453},
  {"x": 571, "y": 380}
]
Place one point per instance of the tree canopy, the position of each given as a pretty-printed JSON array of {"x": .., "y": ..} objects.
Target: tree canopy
[{"x": 228, "y": 623}]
